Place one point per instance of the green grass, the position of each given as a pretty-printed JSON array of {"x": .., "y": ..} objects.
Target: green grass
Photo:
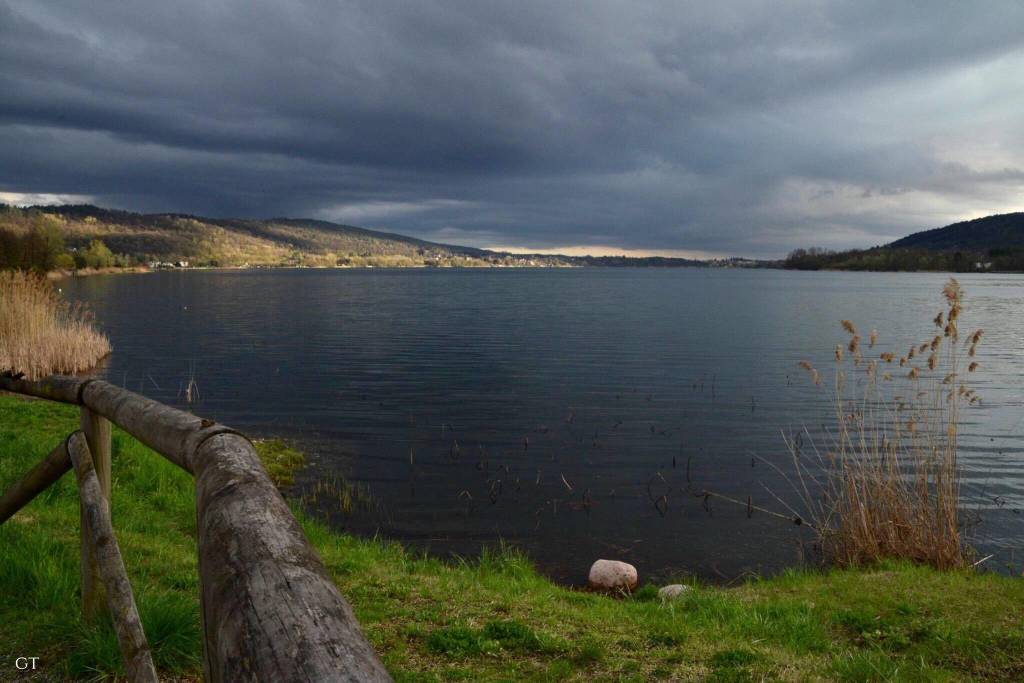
[
  {"x": 493, "y": 618},
  {"x": 280, "y": 460}
]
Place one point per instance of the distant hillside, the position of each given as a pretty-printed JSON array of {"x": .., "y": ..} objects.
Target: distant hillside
[
  {"x": 1002, "y": 231},
  {"x": 235, "y": 242},
  {"x": 48, "y": 237},
  {"x": 992, "y": 244},
  {"x": 171, "y": 238}
]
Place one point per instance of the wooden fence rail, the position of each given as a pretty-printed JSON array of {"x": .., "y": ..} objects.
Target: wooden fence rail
[{"x": 270, "y": 612}]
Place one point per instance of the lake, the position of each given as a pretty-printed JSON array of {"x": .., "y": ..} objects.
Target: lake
[{"x": 576, "y": 414}]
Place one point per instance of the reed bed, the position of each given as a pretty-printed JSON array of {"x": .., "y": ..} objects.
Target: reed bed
[
  {"x": 41, "y": 333},
  {"x": 886, "y": 481}
]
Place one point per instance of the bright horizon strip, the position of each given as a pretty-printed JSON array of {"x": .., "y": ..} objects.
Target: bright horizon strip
[{"x": 598, "y": 250}]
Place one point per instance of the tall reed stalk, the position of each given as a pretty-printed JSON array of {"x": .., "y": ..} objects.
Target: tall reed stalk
[
  {"x": 40, "y": 333},
  {"x": 886, "y": 482}
]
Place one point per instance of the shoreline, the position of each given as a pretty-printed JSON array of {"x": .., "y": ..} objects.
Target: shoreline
[
  {"x": 58, "y": 275},
  {"x": 491, "y": 617},
  {"x": 55, "y": 275}
]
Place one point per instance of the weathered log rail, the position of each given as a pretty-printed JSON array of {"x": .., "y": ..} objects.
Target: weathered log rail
[{"x": 269, "y": 610}]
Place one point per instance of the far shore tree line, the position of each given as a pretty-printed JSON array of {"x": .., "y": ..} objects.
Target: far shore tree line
[
  {"x": 38, "y": 245},
  {"x": 1007, "y": 259}
]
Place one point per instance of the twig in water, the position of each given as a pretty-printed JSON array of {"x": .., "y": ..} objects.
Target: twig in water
[
  {"x": 191, "y": 388},
  {"x": 661, "y": 505}
]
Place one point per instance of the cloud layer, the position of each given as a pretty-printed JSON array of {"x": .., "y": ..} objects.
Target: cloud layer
[{"x": 742, "y": 128}]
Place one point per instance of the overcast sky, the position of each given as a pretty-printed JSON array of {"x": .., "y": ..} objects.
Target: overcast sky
[{"x": 739, "y": 128}]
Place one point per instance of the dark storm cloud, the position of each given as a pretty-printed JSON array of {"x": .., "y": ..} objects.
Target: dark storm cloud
[{"x": 745, "y": 127}]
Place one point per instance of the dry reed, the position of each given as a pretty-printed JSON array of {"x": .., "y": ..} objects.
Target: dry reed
[
  {"x": 40, "y": 333},
  {"x": 885, "y": 483}
]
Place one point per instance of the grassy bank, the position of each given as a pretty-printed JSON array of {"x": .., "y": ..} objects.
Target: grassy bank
[{"x": 492, "y": 618}]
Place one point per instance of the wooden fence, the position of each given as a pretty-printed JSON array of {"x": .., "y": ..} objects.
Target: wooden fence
[{"x": 269, "y": 610}]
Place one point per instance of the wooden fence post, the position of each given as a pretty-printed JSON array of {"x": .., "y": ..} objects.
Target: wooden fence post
[
  {"x": 135, "y": 653},
  {"x": 96, "y": 429}
]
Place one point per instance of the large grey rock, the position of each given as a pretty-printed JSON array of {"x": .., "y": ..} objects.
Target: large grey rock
[
  {"x": 672, "y": 591},
  {"x": 612, "y": 575}
]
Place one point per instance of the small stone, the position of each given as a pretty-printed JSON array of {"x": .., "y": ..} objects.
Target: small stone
[
  {"x": 612, "y": 575},
  {"x": 672, "y": 591}
]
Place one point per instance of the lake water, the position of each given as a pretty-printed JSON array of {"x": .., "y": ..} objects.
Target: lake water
[{"x": 576, "y": 414}]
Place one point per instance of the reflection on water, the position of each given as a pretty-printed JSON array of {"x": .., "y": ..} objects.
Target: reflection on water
[{"x": 577, "y": 413}]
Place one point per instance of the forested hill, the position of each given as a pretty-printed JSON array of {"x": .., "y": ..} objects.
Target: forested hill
[
  {"x": 992, "y": 243},
  {"x": 1001, "y": 231}
]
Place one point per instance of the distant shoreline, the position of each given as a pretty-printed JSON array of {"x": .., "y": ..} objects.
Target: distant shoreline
[
  {"x": 57, "y": 275},
  {"x": 89, "y": 272}
]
